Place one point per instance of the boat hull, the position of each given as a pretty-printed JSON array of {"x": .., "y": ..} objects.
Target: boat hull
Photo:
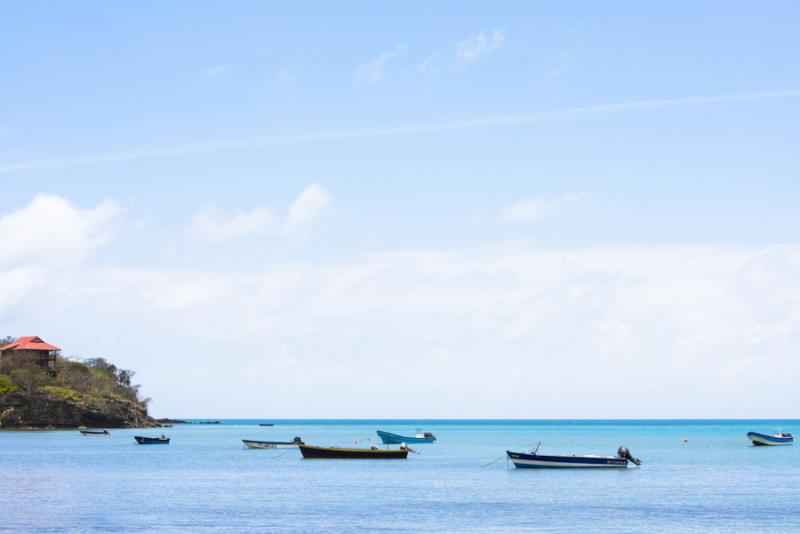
[
  {"x": 759, "y": 439},
  {"x": 143, "y": 440},
  {"x": 390, "y": 438},
  {"x": 311, "y": 452},
  {"x": 252, "y": 444},
  {"x": 95, "y": 432},
  {"x": 524, "y": 460}
]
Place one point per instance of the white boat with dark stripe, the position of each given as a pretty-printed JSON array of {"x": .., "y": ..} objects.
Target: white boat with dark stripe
[
  {"x": 253, "y": 444},
  {"x": 535, "y": 460}
]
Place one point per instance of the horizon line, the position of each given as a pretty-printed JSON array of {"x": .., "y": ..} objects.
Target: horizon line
[
  {"x": 371, "y": 419},
  {"x": 370, "y": 133}
]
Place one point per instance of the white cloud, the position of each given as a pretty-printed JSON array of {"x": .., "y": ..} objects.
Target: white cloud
[
  {"x": 15, "y": 284},
  {"x": 627, "y": 331},
  {"x": 469, "y": 50},
  {"x": 598, "y": 332},
  {"x": 375, "y": 71},
  {"x": 212, "y": 224},
  {"x": 52, "y": 230},
  {"x": 209, "y": 223},
  {"x": 533, "y": 208},
  {"x": 48, "y": 235},
  {"x": 308, "y": 205}
]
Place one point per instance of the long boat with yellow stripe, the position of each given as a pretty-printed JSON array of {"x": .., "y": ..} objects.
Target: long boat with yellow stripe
[{"x": 374, "y": 453}]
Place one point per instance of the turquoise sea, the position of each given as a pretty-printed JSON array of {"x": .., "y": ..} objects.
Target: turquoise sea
[{"x": 60, "y": 481}]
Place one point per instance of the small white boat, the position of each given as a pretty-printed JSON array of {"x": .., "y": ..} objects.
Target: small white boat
[
  {"x": 253, "y": 444},
  {"x": 778, "y": 438}
]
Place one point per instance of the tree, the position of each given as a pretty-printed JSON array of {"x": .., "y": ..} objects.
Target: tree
[
  {"x": 28, "y": 378},
  {"x": 124, "y": 377}
]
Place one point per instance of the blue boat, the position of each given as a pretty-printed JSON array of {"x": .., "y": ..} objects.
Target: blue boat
[
  {"x": 535, "y": 460},
  {"x": 419, "y": 437},
  {"x": 144, "y": 440},
  {"x": 779, "y": 438}
]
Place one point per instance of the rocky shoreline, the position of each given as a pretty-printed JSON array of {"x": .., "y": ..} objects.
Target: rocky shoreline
[{"x": 42, "y": 411}]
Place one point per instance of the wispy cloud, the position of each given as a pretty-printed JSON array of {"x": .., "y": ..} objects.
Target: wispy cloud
[
  {"x": 534, "y": 208},
  {"x": 461, "y": 54},
  {"x": 469, "y": 50},
  {"x": 375, "y": 71},
  {"x": 414, "y": 129},
  {"x": 211, "y": 223},
  {"x": 430, "y": 64},
  {"x": 557, "y": 64},
  {"x": 215, "y": 71}
]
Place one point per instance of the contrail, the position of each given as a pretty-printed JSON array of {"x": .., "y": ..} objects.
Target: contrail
[{"x": 367, "y": 133}]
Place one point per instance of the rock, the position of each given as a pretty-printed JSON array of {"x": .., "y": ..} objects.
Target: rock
[
  {"x": 167, "y": 420},
  {"x": 42, "y": 411}
]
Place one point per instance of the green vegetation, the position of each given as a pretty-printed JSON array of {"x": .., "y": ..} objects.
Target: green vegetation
[
  {"x": 6, "y": 385},
  {"x": 94, "y": 380},
  {"x": 61, "y": 393}
]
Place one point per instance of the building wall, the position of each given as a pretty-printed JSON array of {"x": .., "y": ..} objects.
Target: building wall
[{"x": 45, "y": 358}]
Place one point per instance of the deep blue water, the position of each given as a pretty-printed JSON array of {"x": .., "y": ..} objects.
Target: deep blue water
[{"x": 54, "y": 481}]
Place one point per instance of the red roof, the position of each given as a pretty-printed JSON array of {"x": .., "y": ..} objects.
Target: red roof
[{"x": 29, "y": 343}]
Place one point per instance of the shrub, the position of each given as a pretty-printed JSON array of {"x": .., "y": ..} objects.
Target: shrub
[
  {"x": 29, "y": 378},
  {"x": 61, "y": 393},
  {"x": 6, "y": 385}
]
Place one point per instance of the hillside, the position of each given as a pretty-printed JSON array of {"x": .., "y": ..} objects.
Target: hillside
[{"x": 92, "y": 393}]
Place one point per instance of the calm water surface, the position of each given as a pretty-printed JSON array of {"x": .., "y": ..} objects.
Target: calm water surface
[{"x": 206, "y": 481}]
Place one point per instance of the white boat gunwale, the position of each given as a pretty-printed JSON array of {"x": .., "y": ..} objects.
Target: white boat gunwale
[{"x": 258, "y": 444}]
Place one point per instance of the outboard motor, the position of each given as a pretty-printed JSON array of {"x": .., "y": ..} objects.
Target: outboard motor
[
  {"x": 623, "y": 452},
  {"x": 298, "y": 441}
]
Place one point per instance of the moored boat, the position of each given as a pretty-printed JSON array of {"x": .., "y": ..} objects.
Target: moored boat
[
  {"x": 374, "y": 453},
  {"x": 534, "y": 460},
  {"x": 253, "y": 444},
  {"x": 266, "y": 424},
  {"x": 778, "y": 438},
  {"x": 145, "y": 440},
  {"x": 95, "y": 432},
  {"x": 418, "y": 437}
]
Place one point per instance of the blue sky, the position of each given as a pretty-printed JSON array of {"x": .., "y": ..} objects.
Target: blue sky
[{"x": 472, "y": 193}]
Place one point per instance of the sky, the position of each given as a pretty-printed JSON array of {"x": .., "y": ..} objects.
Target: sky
[{"x": 410, "y": 210}]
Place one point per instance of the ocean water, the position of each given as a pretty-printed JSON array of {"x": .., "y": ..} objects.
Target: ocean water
[{"x": 60, "y": 481}]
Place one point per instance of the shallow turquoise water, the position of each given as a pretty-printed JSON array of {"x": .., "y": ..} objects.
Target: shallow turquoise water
[{"x": 205, "y": 480}]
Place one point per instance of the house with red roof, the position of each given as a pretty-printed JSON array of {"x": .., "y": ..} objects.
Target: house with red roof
[{"x": 32, "y": 348}]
